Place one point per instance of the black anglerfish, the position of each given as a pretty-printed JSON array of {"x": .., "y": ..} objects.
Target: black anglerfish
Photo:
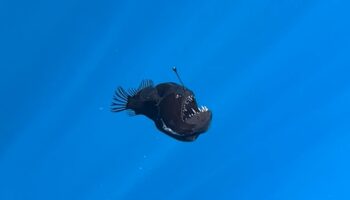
[{"x": 171, "y": 106}]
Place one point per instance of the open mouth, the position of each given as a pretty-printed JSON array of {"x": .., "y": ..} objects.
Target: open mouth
[{"x": 190, "y": 109}]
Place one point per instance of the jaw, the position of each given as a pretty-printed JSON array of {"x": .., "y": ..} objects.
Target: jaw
[
  {"x": 192, "y": 114},
  {"x": 200, "y": 122},
  {"x": 182, "y": 118}
]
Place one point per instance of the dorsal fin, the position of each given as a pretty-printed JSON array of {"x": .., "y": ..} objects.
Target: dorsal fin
[{"x": 144, "y": 84}]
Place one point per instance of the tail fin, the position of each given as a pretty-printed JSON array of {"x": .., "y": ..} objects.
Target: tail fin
[
  {"x": 120, "y": 100},
  {"x": 121, "y": 96}
]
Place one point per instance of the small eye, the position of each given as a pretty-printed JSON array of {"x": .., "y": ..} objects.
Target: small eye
[{"x": 178, "y": 96}]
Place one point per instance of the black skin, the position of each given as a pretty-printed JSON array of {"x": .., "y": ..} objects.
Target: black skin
[{"x": 164, "y": 104}]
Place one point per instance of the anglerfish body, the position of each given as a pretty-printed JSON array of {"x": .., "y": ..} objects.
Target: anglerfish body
[{"x": 171, "y": 106}]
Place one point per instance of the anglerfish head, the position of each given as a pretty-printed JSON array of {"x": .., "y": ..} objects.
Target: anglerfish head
[{"x": 180, "y": 115}]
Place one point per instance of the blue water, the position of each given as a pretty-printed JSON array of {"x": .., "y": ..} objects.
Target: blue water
[{"x": 275, "y": 74}]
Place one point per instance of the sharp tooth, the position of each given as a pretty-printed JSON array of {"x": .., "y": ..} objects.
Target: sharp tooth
[{"x": 193, "y": 110}]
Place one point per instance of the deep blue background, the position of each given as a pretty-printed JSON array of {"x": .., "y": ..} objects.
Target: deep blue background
[{"x": 275, "y": 73}]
